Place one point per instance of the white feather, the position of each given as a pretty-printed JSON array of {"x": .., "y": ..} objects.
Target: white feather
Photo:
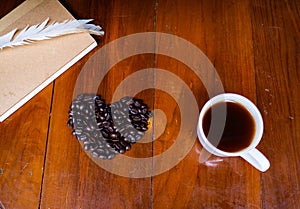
[{"x": 42, "y": 32}]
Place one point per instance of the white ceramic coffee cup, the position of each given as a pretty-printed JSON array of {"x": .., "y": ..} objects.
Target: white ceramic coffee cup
[{"x": 250, "y": 153}]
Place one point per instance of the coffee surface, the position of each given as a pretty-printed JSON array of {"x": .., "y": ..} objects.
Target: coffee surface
[{"x": 239, "y": 127}]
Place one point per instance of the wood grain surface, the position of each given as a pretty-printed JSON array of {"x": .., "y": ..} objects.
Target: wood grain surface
[
  {"x": 276, "y": 53},
  {"x": 254, "y": 47}
]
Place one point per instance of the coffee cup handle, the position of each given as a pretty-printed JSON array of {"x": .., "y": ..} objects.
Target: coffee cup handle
[{"x": 257, "y": 159}]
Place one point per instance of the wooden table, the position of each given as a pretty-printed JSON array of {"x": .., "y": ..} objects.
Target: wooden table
[{"x": 255, "y": 48}]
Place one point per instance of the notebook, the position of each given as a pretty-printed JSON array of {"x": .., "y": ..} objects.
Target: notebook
[{"x": 26, "y": 70}]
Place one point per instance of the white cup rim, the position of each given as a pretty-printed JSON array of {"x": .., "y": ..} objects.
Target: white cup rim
[{"x": 249, "y": 105}]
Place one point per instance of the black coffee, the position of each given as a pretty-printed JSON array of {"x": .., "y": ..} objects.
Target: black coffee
[{"x": 239, "y": 127}]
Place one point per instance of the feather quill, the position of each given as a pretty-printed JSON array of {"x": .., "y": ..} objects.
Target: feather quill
[{"x": 41, "y": 31}]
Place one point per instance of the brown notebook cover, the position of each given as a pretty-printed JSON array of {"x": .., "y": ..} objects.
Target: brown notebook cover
[{"x": 26, "y": 70}]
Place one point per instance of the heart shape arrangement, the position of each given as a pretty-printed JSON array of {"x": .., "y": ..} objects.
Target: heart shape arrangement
[{"x": 108, "y": 129}]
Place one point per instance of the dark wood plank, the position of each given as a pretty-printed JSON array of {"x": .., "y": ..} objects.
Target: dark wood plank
[
  {"x": 23, "y": 138},
  {"x": 7, "y": 6},
  {"x": 72, "y": 179},
  {"x": 222, "y": 30},
  {"x": 276, "y": 40}
]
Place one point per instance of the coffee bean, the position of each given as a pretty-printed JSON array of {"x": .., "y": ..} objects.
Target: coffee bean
[
  {"x": 125, "y": 99},
  {"x": 113, "y": 135},
  {"x": 137, "y": 102},
  {"x": 102, "y": 118},
  {"x": 70, "y": 123},
  {"x": 77, "y": 132},
  {"x": 134, "y": 111},
  {"x": 101, "y": 109},
  {"x": 127, "y": 139},
  {"x": 140, "y": 133},
  {"x": 137, "y": 137},
  {"x": 129, "y": 102},
  {"x": 105, "y": 133},
  {"x": 123, "y": 142},
  {"x": 111, "y": 156},
  {"x": 94, "y": 153},
  {"x": 144, "y": 128},
  {"x": 109, "y": 141},
  {"x": 136, "y": 118},
  {"x": 107, "y": 116},
  {"x": 82, "y": 137},
  {"x": 86, "y": 147},
  {"x": 137, "y": 127},
  {"x": 109, "y": 145},
  {"x": 128, "y": 147},
  {"x": 106, "y": 124},
  {"x": 119, "y": 146}
]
